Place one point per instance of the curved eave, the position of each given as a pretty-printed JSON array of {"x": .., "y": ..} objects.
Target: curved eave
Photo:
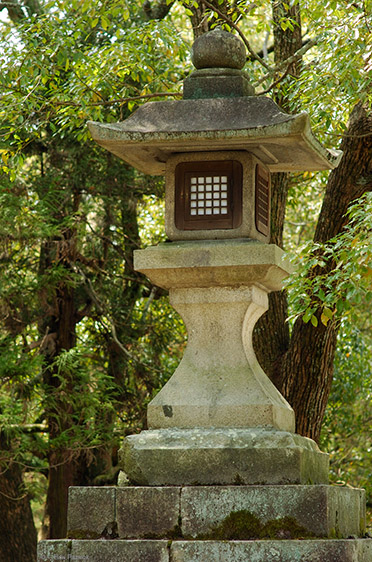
[{"x": 255, "y": 124}]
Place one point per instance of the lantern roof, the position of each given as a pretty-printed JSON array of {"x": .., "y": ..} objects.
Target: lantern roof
[
  {"x": 220, "y": 113},
  {"x": 158, "y": 129}
]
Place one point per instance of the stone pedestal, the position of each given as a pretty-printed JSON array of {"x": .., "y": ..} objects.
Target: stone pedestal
[
  {"x": 213, "y": 524},
  {"x": 219, "y": 419},
  {"x": 216, "y": 512},
  {"x": 220, "y": 475},
  {"x": 219, "y": 382},
  {"x": 220, "y": 289}
]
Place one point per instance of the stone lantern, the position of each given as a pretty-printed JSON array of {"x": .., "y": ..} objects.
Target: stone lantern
[
  {"x": 217, "y": 148},
  {"x": 220, "y": 459}
]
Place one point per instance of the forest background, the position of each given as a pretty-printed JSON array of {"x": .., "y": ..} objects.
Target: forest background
[{"x": 85, "y": 341}]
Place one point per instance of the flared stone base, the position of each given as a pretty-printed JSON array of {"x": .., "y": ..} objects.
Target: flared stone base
[
  {"x": 220, "y": 288},
  {"x": 168, "y": 457}
]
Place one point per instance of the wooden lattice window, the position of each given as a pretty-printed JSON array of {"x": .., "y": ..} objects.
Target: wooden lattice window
[
  {"x": 208, "y": 195},
  {"x": 262, "y": 199}
]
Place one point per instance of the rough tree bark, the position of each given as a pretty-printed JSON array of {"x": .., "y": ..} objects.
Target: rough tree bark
[
  {"x": 58, "y": 330},
  {"x": 301, "y": 363},
  {"x": 306, "y": 376},
  {"x": 271, "y": 335},
  {"x": 17, "y": 529}
]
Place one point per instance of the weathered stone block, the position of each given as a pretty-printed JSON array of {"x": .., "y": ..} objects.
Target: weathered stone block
[
  {"x": 217, "y": 83},
  {"x": 53, "y": 551},
  {"x": 91, "y": 512},
  {"x": 318, "y": 550},
  {"x": 148, "y": 512},
  {"x": 119, "y": 551},
  {"x": 223, "y": 457},
  {"x": 227, "y": 512}
]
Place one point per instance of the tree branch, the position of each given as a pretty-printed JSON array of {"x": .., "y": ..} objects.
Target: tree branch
[
  {"x": 288, "y": 62},
  {"x": 16, "y": 10},
  {"x": 287, "y": 71},
  {"x": 121, "y": 100}
]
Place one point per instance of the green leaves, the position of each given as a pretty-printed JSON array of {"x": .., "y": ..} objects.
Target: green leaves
[
  {"x": 347, "y": 429},
  {"x": 68, "y": 226},
  {"x": 327, "y": 315},
  {"x": 75, "y": 64},
  {"x": 333, "y": 278}
]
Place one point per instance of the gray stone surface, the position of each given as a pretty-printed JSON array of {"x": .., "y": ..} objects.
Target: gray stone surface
[
  {"x": 91, "y": 512},
  {"x": 219, "y": 382},
  {"x": 354, "y": 550},
  {"x": 213, "y": 263},
  {"x": 222, "y": 456},
  {"x": 219, "y": 57},
  {"x": 171, "y": 512},
  {"x": 119, "y": 551},
  {"x": 217, "y": 83},
  {"x": 220, "y": 289},
  {"x": 218, "y": 48},
  {"x": 255, "y": 124},
  {"x": 53, "y": 551},
  {"x": 148, "y": 512},
  {"x": 273, "y": 551},
  {"x": 325, "y": 511}
]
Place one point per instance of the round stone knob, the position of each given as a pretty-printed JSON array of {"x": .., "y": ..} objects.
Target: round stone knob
[{"x": 218, "y": 49}]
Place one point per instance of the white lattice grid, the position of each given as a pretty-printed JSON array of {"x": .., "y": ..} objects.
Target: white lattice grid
[{"x": 208, "y": 195}]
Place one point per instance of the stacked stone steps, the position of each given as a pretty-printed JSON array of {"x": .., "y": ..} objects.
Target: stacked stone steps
[{"x": 213, "y": 524}]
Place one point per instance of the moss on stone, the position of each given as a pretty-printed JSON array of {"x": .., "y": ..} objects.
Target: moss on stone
[
  {"x": 238, "y": 525},
  {"x": 285, "y": 528},
  {"x": 244, "y": 525},
  {"x": 109, "y": 532},
  {"x": 238, "y": 481}
]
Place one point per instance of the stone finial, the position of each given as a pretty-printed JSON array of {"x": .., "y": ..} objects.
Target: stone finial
[
  {"x": 218, "y": 49},
  {"x": 218, "y": 57}
]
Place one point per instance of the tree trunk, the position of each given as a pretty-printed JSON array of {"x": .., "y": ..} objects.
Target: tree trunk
[
  {"x": 301, "y": 364},
  {"x": 271, "y": 334},
  {"x": 17, "y": 529},
  {"x": 307, "y": 368},
  {"x": 58, "y": 328},
  {"x": 62, "y": 468}
]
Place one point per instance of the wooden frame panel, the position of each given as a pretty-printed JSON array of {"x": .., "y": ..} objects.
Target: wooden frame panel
[
  {"x": 208, "y": 195},
  {"x": 262, "y": 200}
]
